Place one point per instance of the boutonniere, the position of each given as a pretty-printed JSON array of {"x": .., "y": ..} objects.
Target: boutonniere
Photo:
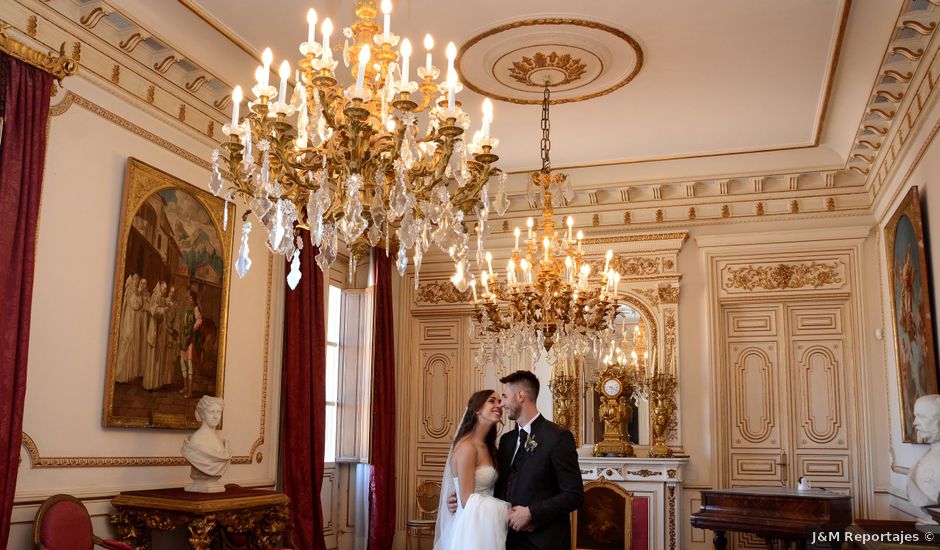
[{"x": 530, "y": 444}]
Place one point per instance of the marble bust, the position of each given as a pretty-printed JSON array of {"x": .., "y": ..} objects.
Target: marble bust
[
  {"x": 923, "y": 481},
  {"x": 206, "y": 450}
]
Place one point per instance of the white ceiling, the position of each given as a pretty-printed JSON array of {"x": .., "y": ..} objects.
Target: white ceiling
[{"x": 740, "y": 76}]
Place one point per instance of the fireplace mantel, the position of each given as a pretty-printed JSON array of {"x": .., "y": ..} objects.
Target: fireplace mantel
[{"x": 655, "y": 482}]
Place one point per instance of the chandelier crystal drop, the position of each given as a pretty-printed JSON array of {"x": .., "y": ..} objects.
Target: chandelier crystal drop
[
  {"x": 550, "y": 299},
  {"x": 354, "y": 163}
]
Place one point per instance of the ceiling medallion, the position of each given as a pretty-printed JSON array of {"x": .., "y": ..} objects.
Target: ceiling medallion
[
  {"x": 535, "y": 70},
  {"x": 579, "y": 59}
]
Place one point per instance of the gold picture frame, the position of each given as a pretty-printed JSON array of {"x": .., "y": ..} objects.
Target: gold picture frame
[
  {"x": 911, "y": 318},
  {"x": 169, "y": 311}
]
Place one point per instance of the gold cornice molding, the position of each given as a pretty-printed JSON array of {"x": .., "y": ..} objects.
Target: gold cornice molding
[
  {"x": 57, "y": 64},
  {"x": 913, "y": 50},
  {"x": 680, "y": 235}
]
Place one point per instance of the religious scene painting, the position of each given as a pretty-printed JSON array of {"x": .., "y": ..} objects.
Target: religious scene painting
[
  {"x": 170, "y": 302},
  {"x": 911, "y": 308}
]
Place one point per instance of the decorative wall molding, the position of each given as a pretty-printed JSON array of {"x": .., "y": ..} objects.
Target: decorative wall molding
[
  {"x": 38, "y": 461},
  {"x": 783, "y": 276}
]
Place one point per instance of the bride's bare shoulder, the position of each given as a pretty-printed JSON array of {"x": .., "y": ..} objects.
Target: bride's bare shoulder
[{"x": 464, "y": 453}]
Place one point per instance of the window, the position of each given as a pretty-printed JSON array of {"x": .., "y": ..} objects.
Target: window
[{"x": 332, "y": 370}]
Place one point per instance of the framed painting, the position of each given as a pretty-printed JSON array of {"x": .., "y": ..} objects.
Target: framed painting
[
  {"x": 170, "y": 302},
  {"x": 909, "y": 289}
]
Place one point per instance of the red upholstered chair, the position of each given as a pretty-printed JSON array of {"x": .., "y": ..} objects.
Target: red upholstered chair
[{"x": 63, "y": 523}]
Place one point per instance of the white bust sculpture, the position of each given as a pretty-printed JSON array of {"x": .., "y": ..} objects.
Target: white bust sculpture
[
  {"x": 923, "y": 481},
  {"x": 207, "y": 452}
]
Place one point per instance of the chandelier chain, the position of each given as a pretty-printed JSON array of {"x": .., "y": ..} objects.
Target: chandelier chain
[{"x": 546, "y": 129}]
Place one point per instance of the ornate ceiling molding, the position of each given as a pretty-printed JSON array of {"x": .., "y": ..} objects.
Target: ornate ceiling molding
[
  {"x": 889, "y": 115},
  {"x": 127, "y": 56}
]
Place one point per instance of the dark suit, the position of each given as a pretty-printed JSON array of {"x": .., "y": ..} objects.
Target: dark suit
[{"x": 547, "y": 479}]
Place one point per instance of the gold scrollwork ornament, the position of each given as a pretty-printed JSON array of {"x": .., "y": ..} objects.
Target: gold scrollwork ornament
[{"x": 662, "y": 387}]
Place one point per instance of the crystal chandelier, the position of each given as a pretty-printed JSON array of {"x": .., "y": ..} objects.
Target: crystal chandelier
[
  {"x": 549, "y": 298},
  {"x": 350, "y": 163}
]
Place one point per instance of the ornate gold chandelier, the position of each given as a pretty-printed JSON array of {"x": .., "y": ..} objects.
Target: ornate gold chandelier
[
  {"x": 549, "y": 299},
  {"x": 350, "y": 163}
]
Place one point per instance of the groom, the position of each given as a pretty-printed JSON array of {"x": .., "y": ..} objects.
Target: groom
[{"x": 538, "y": 471}]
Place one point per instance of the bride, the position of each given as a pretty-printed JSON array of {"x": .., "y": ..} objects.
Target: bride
[{"x": 481, "y": 520}]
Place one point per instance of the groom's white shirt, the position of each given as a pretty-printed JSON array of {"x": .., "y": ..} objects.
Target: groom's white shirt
[{"x": 528, "y": 430}]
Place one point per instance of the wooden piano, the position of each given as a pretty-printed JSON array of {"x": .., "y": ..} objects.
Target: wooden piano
[{"x": 774, "y": 513}]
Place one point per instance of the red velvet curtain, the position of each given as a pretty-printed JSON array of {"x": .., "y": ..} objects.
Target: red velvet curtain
[
  {"x": 382, "y": 487},
  {"x": 303, "y": 401},
  {"x": 24, "y": 96}
]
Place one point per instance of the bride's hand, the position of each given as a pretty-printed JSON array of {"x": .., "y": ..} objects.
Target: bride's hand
[
  {"x": 452, "y": 503},
  {"x": 520, "y": 519}
]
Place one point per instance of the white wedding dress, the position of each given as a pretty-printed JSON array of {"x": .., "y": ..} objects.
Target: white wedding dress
[{"x": 481, "y": 524}]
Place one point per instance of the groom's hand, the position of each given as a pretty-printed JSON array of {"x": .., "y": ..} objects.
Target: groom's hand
[
  {"x": 452, "y": 503},
  {"x": 520, "y": 519}
]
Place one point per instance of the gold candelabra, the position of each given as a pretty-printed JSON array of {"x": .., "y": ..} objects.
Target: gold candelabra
[
  {"x": 565, "y": 409},
  {"x": 661, "y": 387}
]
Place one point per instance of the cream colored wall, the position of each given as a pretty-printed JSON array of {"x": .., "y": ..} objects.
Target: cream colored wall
[
  {"x": 76, "y": 242},
  {"x": 919, "y": 164}
]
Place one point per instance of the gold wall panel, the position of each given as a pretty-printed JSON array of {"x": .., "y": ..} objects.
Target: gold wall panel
[
  {"x": 751, "y": 468},
  {"x": 438, "y": 391},
  {"x": 752, "y": 323},
  {"x": 806, "y": 321},
  {"x": 433, "y": 457},
  {"x": 438, "y": 332},
  {"x": 754, "y": 386},
  {"x": 820, "y": 389},
  {"x": 824, "y": 468},
  {"x": 329, "y": 497}
]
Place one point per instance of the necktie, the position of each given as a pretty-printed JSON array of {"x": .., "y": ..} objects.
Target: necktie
[
  {"x": 523, "y": 435},
  {"x": 516, "y": 461}
]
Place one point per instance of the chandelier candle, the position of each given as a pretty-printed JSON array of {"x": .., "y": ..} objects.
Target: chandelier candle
[
  {"x": 405, "y": 58},
  {"x": 362, "y": 162},
  {"x": 451, "y": 76},
  {"x": 266, "y": 58},
  {"x": 327, "y": 29},
  {"x": 363, "y": 61},
  {"x": 428, "y": 45},
  {"x": 284, "y": 73},
  {"x": 487, "y": 117},
  {"x": 236, "y": 105},
  {"x": 311, "y": 27},
  {"x": 387, "y": 12}
]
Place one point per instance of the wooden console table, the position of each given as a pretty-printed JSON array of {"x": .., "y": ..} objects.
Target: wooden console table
[
  {"x": 773, "y": 513},
  {"x": 261, "y": 516}
]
